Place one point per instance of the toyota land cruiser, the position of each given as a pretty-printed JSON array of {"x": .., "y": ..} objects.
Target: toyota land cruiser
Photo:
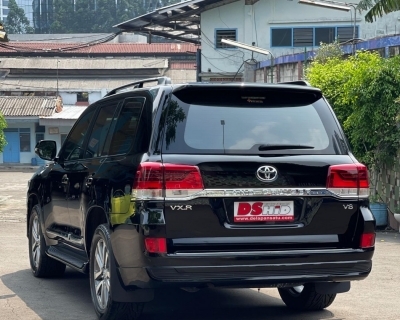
[{"x": 203, "y": 185}]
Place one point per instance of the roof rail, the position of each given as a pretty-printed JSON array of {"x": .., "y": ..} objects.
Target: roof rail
[
  {"x": 139, "y": 84},
  {"x": 297, "y": 83}
]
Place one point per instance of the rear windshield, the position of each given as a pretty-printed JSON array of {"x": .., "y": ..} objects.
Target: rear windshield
[{"x": 250, "y": 128}]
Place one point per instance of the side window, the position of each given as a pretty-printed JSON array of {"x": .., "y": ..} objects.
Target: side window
[
  {"x": 100, "y": 130},
  {"x": 126, "y": 126},
  {"x": 73, "y": 147}
]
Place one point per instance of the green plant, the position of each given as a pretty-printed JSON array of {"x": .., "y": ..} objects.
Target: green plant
[
  {"x": 363, "y": 90},
  {"x": 375, "y": 198},
  {"x": 3, "y": 125},
  {"x": 328, "y": 51}
]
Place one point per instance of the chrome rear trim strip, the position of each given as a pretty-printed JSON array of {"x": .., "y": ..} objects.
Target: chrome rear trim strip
[{"x": 261, "y": 192}]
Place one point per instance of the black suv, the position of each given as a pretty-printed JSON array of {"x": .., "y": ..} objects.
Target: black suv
[{"x": 203, "y": 185}]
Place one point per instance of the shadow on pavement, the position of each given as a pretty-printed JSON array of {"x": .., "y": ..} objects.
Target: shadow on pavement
[
  {"x": 221, "y": 304},
  {"x": 66, "y": 298},
  {"x": 69, "y": 298}
]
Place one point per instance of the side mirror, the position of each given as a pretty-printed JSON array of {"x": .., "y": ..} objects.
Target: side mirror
[{"x": 46, "y": 149}]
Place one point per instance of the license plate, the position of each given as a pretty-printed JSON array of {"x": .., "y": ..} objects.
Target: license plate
[{"x": 259, "y": 211}]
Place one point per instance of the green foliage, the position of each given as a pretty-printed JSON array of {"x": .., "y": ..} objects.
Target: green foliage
[
  {"x": 17, "y": 22},
  {"x": 378, "y": 8},
  {"x": 95, "y": 16},
  {"x": 362, "y": 91},
  {"x": 328, "y": 51},
  {"x": 3, "y": 125}
]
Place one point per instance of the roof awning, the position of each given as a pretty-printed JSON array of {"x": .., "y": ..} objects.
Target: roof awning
[
  {"x": 180, "y": 21},
  {"x": 66, "y": 117}
]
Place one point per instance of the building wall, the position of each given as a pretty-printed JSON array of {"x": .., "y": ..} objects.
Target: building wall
[
  {"x": 26, "y": 157},
  {"x": 254, "y": 23},
  {"x": 181, "y": 76},
  {"x": 26, "y": 5},
  {"x": 3, "y": 9},
  {"x": 70, "y": 98}
]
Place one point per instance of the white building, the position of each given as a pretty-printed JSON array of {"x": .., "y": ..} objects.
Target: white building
[
  {"x": 28, "y": 8},
  {"x": 3, "y": 9},
  {"x": 283, "y": 27}
]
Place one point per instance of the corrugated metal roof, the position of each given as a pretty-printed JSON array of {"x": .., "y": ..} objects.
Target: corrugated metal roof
[
  {"x": 27, "y": 106},
  {"x": 103, "y": 48},
  {"x": 82, "y": 63},
  {"x": 179, "y": 21},
  {"x": 68, "y": 113}
]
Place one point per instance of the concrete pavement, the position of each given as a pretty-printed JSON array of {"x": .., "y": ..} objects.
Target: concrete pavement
[{"x": 24, "y": 297}]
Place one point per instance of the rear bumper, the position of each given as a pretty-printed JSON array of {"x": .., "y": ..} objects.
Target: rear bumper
[{"x": 264, "y": 269}]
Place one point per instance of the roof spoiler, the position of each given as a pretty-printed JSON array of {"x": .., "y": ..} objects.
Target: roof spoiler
[
  {"x": 139, "y": 84},
  {"x": 297, "y": 83}
]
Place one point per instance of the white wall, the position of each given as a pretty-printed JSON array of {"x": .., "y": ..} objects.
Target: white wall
[
  {"x": 70, "y": 98},
  {"x": 266, "y": 14},
  {"x": 94, "y": 96}
]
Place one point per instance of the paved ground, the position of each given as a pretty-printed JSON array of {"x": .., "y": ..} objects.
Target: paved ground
[{"x": 24, "y": 297}]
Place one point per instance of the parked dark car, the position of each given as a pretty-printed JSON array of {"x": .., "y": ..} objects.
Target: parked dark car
[{"x": 203, "y": 185}]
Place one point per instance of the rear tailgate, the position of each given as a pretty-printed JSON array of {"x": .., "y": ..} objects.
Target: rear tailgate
[
  {"x": 294, "y": 212},
  {"x": 263, "y": 154}
]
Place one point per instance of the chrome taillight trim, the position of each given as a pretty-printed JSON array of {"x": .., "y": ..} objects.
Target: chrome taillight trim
[{"x": 338, "y": 193}]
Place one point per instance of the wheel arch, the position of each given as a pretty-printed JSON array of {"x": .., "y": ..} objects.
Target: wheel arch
[
  {"x": 95, "y": 217},
  {"x": 33, "y": 199}
]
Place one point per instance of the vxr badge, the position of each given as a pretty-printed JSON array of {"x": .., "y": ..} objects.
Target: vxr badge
[{"x": 184, "y": 208}]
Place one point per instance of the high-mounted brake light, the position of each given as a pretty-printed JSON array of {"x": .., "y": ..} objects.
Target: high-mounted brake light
[
  {"x": 348, "y": 180},
  {"x": 155, "y": 180}
]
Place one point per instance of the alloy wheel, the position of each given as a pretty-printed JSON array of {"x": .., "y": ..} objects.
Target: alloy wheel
[
  {"x": 102, "y": 274},
  {"x": 35, "y": 246}
]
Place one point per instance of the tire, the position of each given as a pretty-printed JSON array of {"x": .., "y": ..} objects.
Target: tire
[
  {"x": 305, "y": 298},
  {"x": 42, "y": 265},
  {"x": 99, "y": 274}
]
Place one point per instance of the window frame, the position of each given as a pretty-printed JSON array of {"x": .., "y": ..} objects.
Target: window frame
[
  {"x": 216, "y": 41},
  {"x": 336, "y": 27},
  {"x": 94, "y": 108},
  {"x": 25, "y": 132},
  {"x": 100, "y": 106},
  {"x": 112, "y": 129}
]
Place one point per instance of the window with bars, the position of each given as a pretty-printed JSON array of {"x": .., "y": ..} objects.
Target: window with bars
[
  {"x": 310, "y": 36},
  {"x": 230, "y": 34}
]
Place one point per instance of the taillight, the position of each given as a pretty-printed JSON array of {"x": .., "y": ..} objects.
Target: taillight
[
  {"x": 367, "y": 240},
  {"x": 148, "y": 181},
  {"x": 155, "y": 245},
  {"x": 348, "y": 180},
  {"x": 155, "y": 180}
]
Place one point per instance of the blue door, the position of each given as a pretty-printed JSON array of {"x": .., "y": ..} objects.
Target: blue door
[{"x": 11, "y": 150}]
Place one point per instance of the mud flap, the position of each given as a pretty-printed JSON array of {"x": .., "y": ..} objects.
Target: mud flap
[{"x": 119, "y": 294}]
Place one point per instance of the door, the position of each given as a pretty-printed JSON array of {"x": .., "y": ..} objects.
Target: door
[
  {"x": 67, "y": 179},
  {"x": 83, "y": 191},
  {"x": 11, "y": 150}
]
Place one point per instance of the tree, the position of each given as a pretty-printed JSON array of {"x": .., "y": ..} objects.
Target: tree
[
  {"x": 17, "y": 22},
  {"x": 363, "y": 90},
  {"x": 3, "y": 125},
  {"x": 84, "y": 16},
  {"x": 377, "y": 8}
]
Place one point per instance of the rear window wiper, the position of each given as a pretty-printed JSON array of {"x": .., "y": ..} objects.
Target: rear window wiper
[{"x": 265, "y": 147}]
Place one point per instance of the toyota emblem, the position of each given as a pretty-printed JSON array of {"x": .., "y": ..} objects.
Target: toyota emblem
[{"x": 267, "y": 174}]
